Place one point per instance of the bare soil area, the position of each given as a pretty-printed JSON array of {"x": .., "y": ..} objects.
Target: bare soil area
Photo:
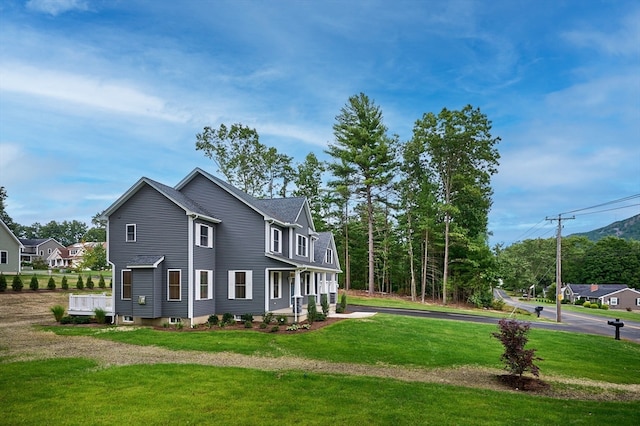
[{"x": 20, "y": 341}]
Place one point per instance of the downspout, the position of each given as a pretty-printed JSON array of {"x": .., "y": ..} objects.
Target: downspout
[{"x": 190, "y": 266}]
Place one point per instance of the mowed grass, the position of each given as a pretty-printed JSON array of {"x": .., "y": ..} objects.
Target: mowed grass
[
  {"x": 404, "y": 341},
  {"x": 75, "y": 392}
]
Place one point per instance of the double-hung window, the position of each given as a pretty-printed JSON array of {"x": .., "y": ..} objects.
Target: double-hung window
[
  {"x": 276, "y": 284},
  {"x": 638, "y": 301},
  {"x": 204, "y": 284},
  {"x": 174, "y": 284},
  {"x": 276, "y": 240},
  {"x": 240, "y": 285},
  {"x": 302, "y": 246},
  {"x": 205, "y": 235},
  {"x": 328, "y": 258},
  {"x": 4, "y": 257},
  {"x": 613, "y": 301},
  {"x": 126, "y": 284},
  {"x": 131, "y": 233}
]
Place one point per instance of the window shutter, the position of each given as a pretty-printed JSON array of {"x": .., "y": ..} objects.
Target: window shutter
[
  {"x": 249, "y": 284},
  {"x": 210, "y": 286},
  {"x": 231, "y": 290}
]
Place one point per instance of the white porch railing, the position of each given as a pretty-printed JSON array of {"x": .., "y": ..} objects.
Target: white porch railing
[{"x": 86, "y": 304}]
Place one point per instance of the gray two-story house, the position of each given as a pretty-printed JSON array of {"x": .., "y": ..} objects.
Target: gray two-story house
[{"x": 204, "y": 247}]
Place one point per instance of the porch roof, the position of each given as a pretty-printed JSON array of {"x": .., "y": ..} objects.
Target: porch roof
[{"x": 145, "y": 261}]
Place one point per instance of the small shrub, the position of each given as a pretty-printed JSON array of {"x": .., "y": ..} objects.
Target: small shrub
[
  {"x": 165, "y": 325},
  {"x": 320, "y": 317},
  {"x": 513, "y": 336},
  {"x": 80, "y": 283},
  {"x": 101, "y": 283},
  {"x": 594, "y": 306},
  {"x": 51, "y": 285},
  {"x": 64, "y": 284},
  {"x": 306, "y": 326},
  {"x": 605, "y": 307},
  {"x": 248, "y": 324},
  {"x": 275, "y": 328},
  {"x": 267, "y": 318},
  {"x": 16, "y": 285},
  {"x": 58, "y": 312},
  {"x": 587, "y": 304},
  {"x": 213, "y": 320},
  {"x": 3, "y": 282},
  {"x": 89, "y": 283},
  {"x": 263, "y": 325},
  {"x": 179, "y": 325},
  {"x": 228, "y": 318},
  {"x": 246, "y": 317},
  {"x": 578, "y": 302},
  {"x": 101, "y": 315},
  {"x": 312, "y": 311},
  {"x": 34, "y": 284},
  {"x": 497, "y": 304},
  {"x": 281, "y": 320},
  {"x": 293, "y": 327},
  {"x": 324, "y": 302},
  {"x": 343, "y": 301}
]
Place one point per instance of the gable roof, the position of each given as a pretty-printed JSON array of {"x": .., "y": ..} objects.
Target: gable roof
[
  {"x": 16, "y": 239},
  {"x": 187, "y": 204},
  {"x": 286, "y": 211},
  {"x": 584, "y": 290},
  {"x": 35, "y": 242}
]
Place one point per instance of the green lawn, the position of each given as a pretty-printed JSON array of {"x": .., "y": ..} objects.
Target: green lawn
[
  {"x": 404, "y": 341},
  {"x": 75, "y": 392}
]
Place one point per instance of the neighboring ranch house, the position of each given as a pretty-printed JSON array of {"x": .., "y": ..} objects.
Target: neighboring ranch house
[
  {"x": 10, "y": 247},
  {"x": 38, "y": 248},
  {"x": 617, "y": 296},
  {"x": 205, "y": 247},
  {"x": 72, "y": 256}
]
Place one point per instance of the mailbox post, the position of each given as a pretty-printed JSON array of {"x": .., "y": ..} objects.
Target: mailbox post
[{"x": 618, "y": 325}]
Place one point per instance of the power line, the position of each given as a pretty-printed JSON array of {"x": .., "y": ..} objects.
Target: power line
[
  {"x": 620, "y": 200},
  {"x": 609, "y": 210}
]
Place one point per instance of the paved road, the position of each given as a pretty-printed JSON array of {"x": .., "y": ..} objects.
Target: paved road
[{"x": 580, "y": 323}]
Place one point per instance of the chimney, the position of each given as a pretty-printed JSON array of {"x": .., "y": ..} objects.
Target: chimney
[{"x": 594, "y": 287}]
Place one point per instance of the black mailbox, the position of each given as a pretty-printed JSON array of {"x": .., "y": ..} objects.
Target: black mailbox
[
  {"x": 538, "y": 309},
  {"x": 618, "y": 325}
]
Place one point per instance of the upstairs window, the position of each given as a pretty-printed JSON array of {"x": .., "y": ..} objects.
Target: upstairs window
[
  {"x": 205, "y": 235},
  {"x": 328, "y": 257},
  {"x": 276, "y": 240},
  {"x": 131, "y": 232},
  {"x": 126, "y": 284},
  {"x": 302, "y": 246}
]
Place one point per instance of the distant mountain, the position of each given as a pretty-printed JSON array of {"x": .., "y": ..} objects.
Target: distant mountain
[{"x": 629, "y": 229}]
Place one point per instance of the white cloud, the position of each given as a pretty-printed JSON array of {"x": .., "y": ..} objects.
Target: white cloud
[
  {"x": 56, "y": 7},
  {"x": 623, "y": 42},
  {"x": 88, "y": 91}
]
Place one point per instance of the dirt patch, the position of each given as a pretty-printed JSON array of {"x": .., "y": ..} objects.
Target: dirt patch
[{"x": 20, "y": 341}]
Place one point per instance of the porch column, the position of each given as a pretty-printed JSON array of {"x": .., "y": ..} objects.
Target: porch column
[{"x": 297, "y": 297}]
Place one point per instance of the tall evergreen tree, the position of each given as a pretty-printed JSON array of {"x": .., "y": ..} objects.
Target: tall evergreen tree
[{"x": 364, "y": 154}]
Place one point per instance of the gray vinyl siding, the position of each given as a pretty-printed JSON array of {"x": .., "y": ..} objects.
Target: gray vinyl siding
[
  {"x": 9, "y": 244},
  {"x": 240, "y": 245},
  {"x": 305, "y": 230},
  {"x": 204, "y": 258},
  {"x": 162, "y": 230}
]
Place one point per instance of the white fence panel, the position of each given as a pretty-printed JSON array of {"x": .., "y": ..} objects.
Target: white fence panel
[{"x": 86, "y": 304}]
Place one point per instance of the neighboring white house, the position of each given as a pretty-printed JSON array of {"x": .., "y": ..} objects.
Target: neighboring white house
[{"x": 71, "y": 257}]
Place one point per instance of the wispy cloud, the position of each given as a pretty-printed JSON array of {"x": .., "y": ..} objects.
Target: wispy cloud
[{"x": 56, "y": 7}]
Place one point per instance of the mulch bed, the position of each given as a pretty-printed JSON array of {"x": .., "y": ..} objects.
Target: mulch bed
[
  {"x": 239, "y": 326},
  {"x": 525, "y": 383}
]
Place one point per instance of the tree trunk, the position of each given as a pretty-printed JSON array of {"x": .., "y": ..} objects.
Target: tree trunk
[
  {"x": 370, "y": 231},
  {"x": 411, "y": 266},
  {"x": 445, "y": 272},
  {"x": 425, "y": 261}
]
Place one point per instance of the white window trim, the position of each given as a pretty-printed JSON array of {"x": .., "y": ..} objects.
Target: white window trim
[
  {"x": 209, "y": 284},
  {"x": 135, "y": 233},
  {"x": 6, "y": 257},
  {"x": 275, "y": 284},
  {"x": 275, "y": 231},
  {"x": 638, "y": 301},
  {"x": 231, "y": 290},
  {"x": 328, "y": 256},
  {"x": 179, "y": 299},
  {"x": 122, "y": 284},
  {"x": 613, "y": 301},
  {"x": 306, "y": 245},
  {"x": 175, "y": 320},
  {"x": 199, "y": 227},
  {"x": 127, "y": 318}
]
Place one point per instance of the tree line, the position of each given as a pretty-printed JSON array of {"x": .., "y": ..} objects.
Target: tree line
[{"x": 408, "y": 216}]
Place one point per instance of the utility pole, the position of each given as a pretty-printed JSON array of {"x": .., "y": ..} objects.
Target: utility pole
[{"x": 559, "y": 264}]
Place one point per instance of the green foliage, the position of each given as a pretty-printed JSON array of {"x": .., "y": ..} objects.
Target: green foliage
[
  {"x": 100, "y": 315},
  {"x": 263, "y": 325},
  {"x": 594, "y": 306},
  {"x": 343, "y": 302},
  {"x": 275, "y": 328},
  {"x": 497, "y": 304},
  {"x": 587, "y": 304},
  {"x": 94, "y": 258},
  {"x": 17, "y": 285},
  {"x": 64, "y": 283},
  {"x": 89, "y": 283},
  {"x": 34, "y": 284},
  {"x": 227, "y": 318},
  {"x": 248, "y": 324},
  {"x": 80, "y": 283},
  {"x": 3, "y": 282},
  {"x": 281, "y": 319},
  {"x": 246, "y": 317},
  {"x": 75, "y": 320},
  {"x": 39, "y": 264},
  {"x": 324, "y": 302},
  {"x": 213, "y": 319},
  {"x": 267, "y": 318},
  {"x": 312, "y": 311},
  {"x": 513, "y": 336},
  {"x": 101, "y": 283},
  {"x": 51, "y": 284},
  {"x": 605, "y": 307},
  {"x": 58, "y": 312}
]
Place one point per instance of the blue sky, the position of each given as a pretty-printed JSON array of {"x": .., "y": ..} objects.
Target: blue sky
[{"x": 96, "y": 94}]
